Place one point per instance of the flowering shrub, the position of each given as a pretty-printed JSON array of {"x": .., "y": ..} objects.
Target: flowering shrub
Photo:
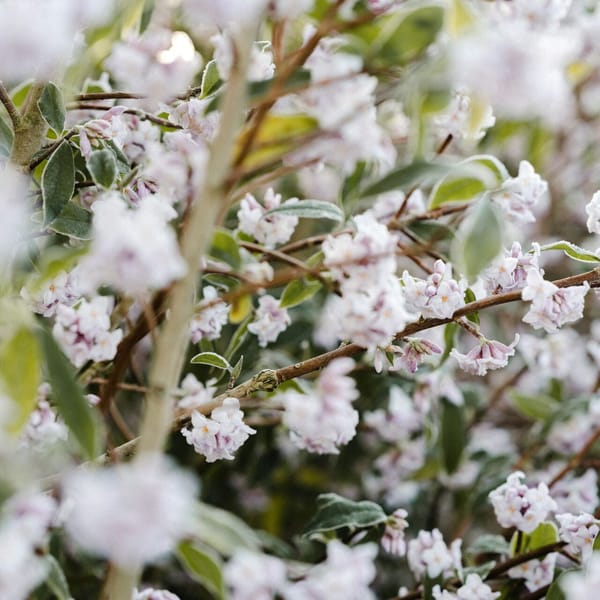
[{"x": 299, "y": 299}]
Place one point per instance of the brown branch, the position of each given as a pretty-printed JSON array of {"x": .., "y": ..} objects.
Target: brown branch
[
  {"x": 11, "y": 109},
  {"x": 142, "y": 114},
  {"x": 109, "y": 96},
  {"x": 576, "y": 460},
  {"x": 502, "y": 567}
]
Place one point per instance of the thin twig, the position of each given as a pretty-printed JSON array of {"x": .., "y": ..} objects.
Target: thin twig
[{"x": 11, "y": 109}]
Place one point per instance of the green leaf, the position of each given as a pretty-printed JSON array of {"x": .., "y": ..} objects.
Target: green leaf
[
  {"x": 237, "y": 368},
  {"x": 20, "y": 373},
  {"x": 538, "y": 408},
  {"x": 309, "y": 209},
  {"x": 6, "y": 138},
  {"x": 452, "y": 434},
  {"x": 68, "y": 395},
  {"x": 203, "y": 565},
  {"x": 58, "y": 182},
  {"x": 74, "y": 221},
  {"x": 102, "y": 166},
  {"x": 596, "y": 544},
  {"x": 468, "y": 179},
  {"x": 334, "y": 512},
  {"x": 545, "y": 533},
  {"x": 489, "y": 544},
  {"x": 449, "y": 334},
  {"x": 419, "y": 172},
  {"x": 225, "y": 248},
  {"x": 298, "y": 291},
  {"x": 212, "y": 359},
  {"x": 238, "y": 338},
  {"x": 478, "y": 240},
  {"x": 555, "y": 591},
  {"x": 56, "y": 580},
  {"x": 481, "y": 570},
  {"x": 222, "y": 530},
  {"x": 146, "y": 17},
  {"x": 53, "y": 261},
  {"x": 573, "y": 251},
  {"x": 210, "y": 78},
  {"x": 52, "y": 107}
]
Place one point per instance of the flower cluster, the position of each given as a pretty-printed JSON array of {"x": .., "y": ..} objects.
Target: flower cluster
[
  {"x": 269, "y": 320},
  {"x": 429, "y": 555},
  {"x": 210, "y": 317}
]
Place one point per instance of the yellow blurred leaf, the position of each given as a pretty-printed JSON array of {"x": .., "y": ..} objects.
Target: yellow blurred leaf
[{"x": 240, "y": 308}]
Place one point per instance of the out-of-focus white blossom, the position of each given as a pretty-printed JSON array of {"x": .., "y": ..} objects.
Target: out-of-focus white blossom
[
  {"x": 60, "y": 290},
  {"x": 271, "y": 230},
  {"x": 584, "y": 584},
  {"x": 217, "y": 437},
  {"x": 192, "y": 116},
  {"x": 232, "y": 14},
  {"x": 131, "y": 513},
  {"x": 551, "y": 306},
  {"x": 577, "y": 494},
  {"x": 519, "y": 195},
  {"x": 536, "y": 573},
  {"x": 152, "y": 594},
  {"x": 14, "y": 209},
  {"x": 261, "y": 58},
  {"x": 44, "y": 427},
  {"x": 593, "y": 211},
  {"x": 399, "y": 421},
  {"x": 253, "y": 576},
  {"x": 132, "y": 250},
  {"x": 345, "y": 575},
  {"x": 458, "y": 119},
  {"x": 535, "y": 13},
  {"x": 208, "y": 322},
  {"x": 485, "y": 356},
  {"x": 160, "y": 64},
  {"x": 83, "y": 331},
  {"x": 473, "y": 589},
  {"x": 517, "y": 505},
  {"x": 323, "y": 419},
  {"x": 195, "y": 393},
  {"x": 579, "y": 531},
  {"x": 429, "y": 555},
  {"x": 269, "y": 320}
]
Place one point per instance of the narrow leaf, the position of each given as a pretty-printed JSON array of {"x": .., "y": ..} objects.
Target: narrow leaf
[
  {"x": 58, "y": 182},
  {"x": 335, "y": 512},
  {"x": 489, "y": 544},
  {"x": 203, "y": 565},
  {"x": 309, "y": 209},
  {"x": 298, "y": 291},
  {"x": 68, "y": 395},
  {"x": 52, "y": 107},
  {"x": 573, "y": 251},
  {"x": 538, "y": 408},
  {"x": 212, "y": 359},
  {"x": 419, "y": 172},
  {"x": 225, "y": 248},
  {"x": 210, "y": 78},
  {"x": 452, "y": 434},
  {"x": 6, "y": 138},
  {"x": 146, "y": 17},
  {"x": 56, "y": 580},
  {"x": 102, "y": 166}
]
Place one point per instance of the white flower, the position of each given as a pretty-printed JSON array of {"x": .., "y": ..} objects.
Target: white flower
[
  {"x": 322, "y": 420},
  {"x": 552, "y": 307},
  {"x": 509, "y": 272},
  {"x": 195, "y": 393},
  {"x": 132, "y": 250},
  {"x": 60, "y": 290},
  {"x": 393, "y": 541},
  {"x": 269, "y": 320},
  {"x": 84, "y": 332},
  {"x": 579, "y": 532},
  {"x": 345, "y": 575},
  {"x": 487, "y": 355},
  {"x": 253, "y": 576},
  {"x": 219, "y": 436},
  {"x": 223, "y": 14},
  {"x": 473, "y": 589},
  {"x": 271, "y": 230},
  {"x": 439, "y": 296},
  {"x": 13, "y": 205},
  {"x": 517, "y": 505},
  {"x": 211, "y": 316},
  {"x": 399, "y": 421},
  {"x": 536, "y": 13},
  {"x": 428, "y": 553},
  {"x": 577, "y": 494},
  {"x": 415, "y": 351},
  {"x": 457, "y": 119},
  {"x": 584, "y": 584},
  {"x": 131, "y": 513},
  {"x": 536, "y": 573},
  {"x": 261, "y": 58},
  {"x": 593, "y": 211},
  {"x": 569, "y": 436},
  {"x": 152, "y": 594},
  {"x": 160, "y": 64},
  {"x": 519, "y": 195},
  {"x": 43, "y": 428}
]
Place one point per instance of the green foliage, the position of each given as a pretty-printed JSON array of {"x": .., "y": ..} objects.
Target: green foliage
[
  {"x": 573, "y": 251},
  {"x": 146, "y": 17},
  {"x": 225, "y": 248},
  {"x": 68, "y": 395},
  {"x": 489, "y": 544},
  {"x": 210, "y": 78},
  {"x": 544, "y": 534},
  {"x": 102, "y": 166},
  {"x": 204, "y": 565},
  {"x": 56, "y": 580},
  {"x": 298, "y": 291},
  {"x": 478, "y": 240},
  {"x": 6, "y": 137},
  {"x": 20, "y": 373},
  {"x": 52, "y": 107},
  {"x": 58, "y": 182},
  {"x": 334, "y": 513},
  {"x": 211, "y": 359},
  {"x": 417, "y": 173},
  {"x": 539, "y": 407},
  {"x": 453, "y": 435},
  {"x": 555, "y": 591},
  {"x": 309, "y": 209},
  {"x": 73, "y": 221}
]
